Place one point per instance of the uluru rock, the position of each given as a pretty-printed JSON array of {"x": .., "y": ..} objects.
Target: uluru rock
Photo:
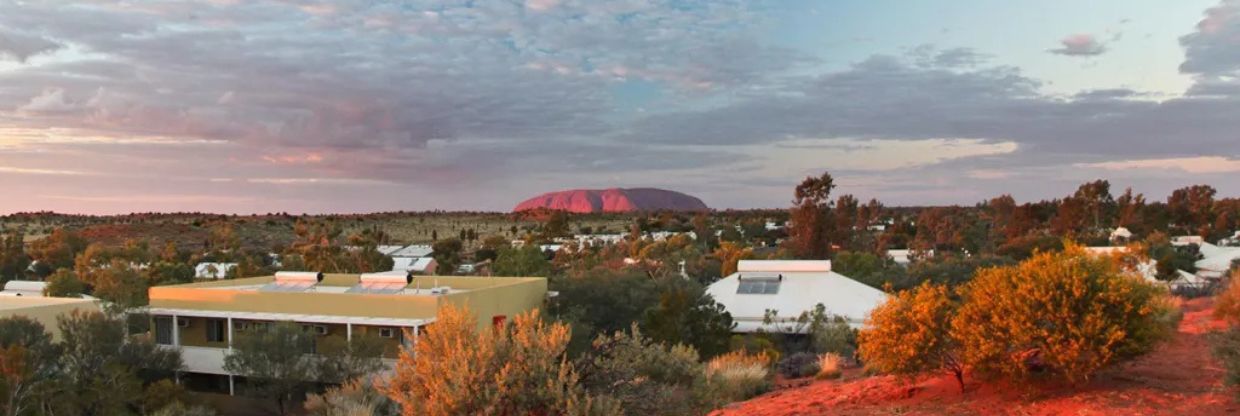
[{"x": 613, "y": 200}]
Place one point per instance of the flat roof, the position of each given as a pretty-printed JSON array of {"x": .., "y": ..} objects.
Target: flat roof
[{"x": 22, "y": 302}]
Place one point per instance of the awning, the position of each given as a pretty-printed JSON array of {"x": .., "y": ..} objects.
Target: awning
[{"x": 294, "y": 317}]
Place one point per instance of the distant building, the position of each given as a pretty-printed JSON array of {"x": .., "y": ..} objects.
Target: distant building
[
  {"x": 415, "y": 265},
  {"x": 202, "y": 319},
  {"x": 28, "y": 288},
  {"x": 213, "y": 270},
  {"x": 1185, "y": 240},
  {"x": 1216, "y": 261},
  {"x": 791, "y": 287},
  {"x": 1120, "y": 236}
]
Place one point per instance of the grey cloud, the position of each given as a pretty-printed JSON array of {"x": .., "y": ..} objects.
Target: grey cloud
[{"x": 20, "y": 47}]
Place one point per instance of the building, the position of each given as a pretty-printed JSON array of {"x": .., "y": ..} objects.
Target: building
[
  {"x": 415, "y": 265},
  {"x": 209, "y": 270},
  {"x": 45, "y": 310},
  {"x": 32, "y": 288},
  {"x": 1216, "y": 261},
  {"x": 791, "y": 287},
  {"x": 1121, "y": 235},
  {"x": 203, "y": 318}
]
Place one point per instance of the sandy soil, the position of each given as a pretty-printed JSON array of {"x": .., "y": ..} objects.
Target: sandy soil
[{"x": 1179, "y": 378}]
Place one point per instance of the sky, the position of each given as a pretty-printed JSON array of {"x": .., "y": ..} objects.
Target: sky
[{"x": 236, "y": 106}]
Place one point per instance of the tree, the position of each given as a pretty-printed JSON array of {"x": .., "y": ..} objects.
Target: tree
[
  {"x": 1066, "y": 314},
  {"x": 56, "y": 251},
  {"x": 341, "y": 360},
  {"x": 602, "y": 300},
  {"x": 556, "y": 225},
  {"x": 13, "y": 258},
  {"x": 645, "y": 377},
  {"x": 526, "y": 260},
  {"x": 810, "y": 231},
  {"x": 1096, "y": 200},
  {"x": 275, "y": 361},
  {"x": 729, "y": 255},
  {"x": 27, "y": 363},
  {"x": 687, "y": 314},
  {"x": 447, "y": 254},
  {"x": 120, "y": 284},
  {"x": 519, "y": 368},
  {"x": 356, "y": 397},
  {"x": 1193, "y": 208},
  {"x": 103, "y": 370},
  {"x": 64, "y": 284},
  {"x": 911, "y": 334}
]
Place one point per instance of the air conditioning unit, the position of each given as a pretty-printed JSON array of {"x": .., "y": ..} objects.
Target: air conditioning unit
[
  {"x": 320, "y": 330},
  {"x": 183, "y": 323},
  {"x": 387, "y": 332}
]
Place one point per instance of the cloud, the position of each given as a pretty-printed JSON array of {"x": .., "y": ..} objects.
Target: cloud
[
  {"x": 40, "y": 171},
  {"x": 1201, "y": 164},
  {"x": 1081, "y": 44},
  {"x": 20, "y": 47}
]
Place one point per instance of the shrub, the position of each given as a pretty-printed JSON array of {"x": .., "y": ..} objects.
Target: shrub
[
  {"x": 1227, "y": 305},
  {"x": 644, "y": 377},
  {"x": 911, "y": 334},
  {"x": 1063, "y": 314},
  {"x": 737, "y": 376},
  {"x": 357, "y": 397},
  {"x": 1227, "y": 349},
  {"x": 829, "y": 366},
  {"x": 801, "y": 364}
]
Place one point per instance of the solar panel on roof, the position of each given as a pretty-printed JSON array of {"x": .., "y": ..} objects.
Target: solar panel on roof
[
  {"x": 377, "y": 288},
  {"x": 287, "y": 287}
]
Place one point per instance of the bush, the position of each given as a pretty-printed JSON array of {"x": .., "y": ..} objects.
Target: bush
[
  {"x": 738, "y": 376},
  {"x": 829, "y": 367},
  {"x": 1227, "y": 349},
  {"x": 1064, "y": 315},
  {"x": 911, "y": 334},
  {"x": 644, "y": 377},
  {"x": 1227, "y": 306},
  {"x": 801, "y": 364}
]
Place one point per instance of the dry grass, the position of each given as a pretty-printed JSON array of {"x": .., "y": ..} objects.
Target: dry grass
[{"x": 829, "y": 366}]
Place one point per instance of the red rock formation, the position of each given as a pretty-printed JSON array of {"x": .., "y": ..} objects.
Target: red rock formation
[{"x": 613, "y": 200}]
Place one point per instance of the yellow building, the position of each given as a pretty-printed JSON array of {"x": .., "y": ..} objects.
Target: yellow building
[
  {"x": 202, "y": 318},
  {"x": 45, "y": 310}
]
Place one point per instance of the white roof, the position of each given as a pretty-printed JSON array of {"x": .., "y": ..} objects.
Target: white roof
[
  {"x": 203, "y": 270},
  {"x": 1121, "y": 232},
  {"x": 23, "y": 288},
  {"x": 1217, "y": 259},
  {"x": 799, "y": 291},
  {"x": 1108, "y": 250},
  {"x": 414, "y": 250},
  {"x": 783, "y": 266},
  {"x": 388, "y": 250},
  {"x": 411, "y": 264}
]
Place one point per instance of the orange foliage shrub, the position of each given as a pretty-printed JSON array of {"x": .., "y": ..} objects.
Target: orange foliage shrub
[
  {"x": 1227, "y": 305},
  {"x": 1065, "y": 314},
  {"x": 910, "y": 334},
  {"x": 516, "y": 369}
]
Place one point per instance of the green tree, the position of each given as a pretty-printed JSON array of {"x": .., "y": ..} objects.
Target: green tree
[
  {"x": 276, "y": 362},
  {"x": 687, "y": 314},
  {"x": 526, "y": 260},
  {"x": 447, "y": 254},
  {"x": 602, "y": 300},
  {"x": 103, "y": 370},
  {"x": 64, "y": 284}
]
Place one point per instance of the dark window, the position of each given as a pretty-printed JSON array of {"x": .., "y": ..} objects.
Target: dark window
[
  {"x": 217, "y": 330},
  {"x": 163, "y": 330}
]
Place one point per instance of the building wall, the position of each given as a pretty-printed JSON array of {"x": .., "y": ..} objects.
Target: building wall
[
  {"x": 511, "y": 300},
  {"x": 46, "y": 310}
]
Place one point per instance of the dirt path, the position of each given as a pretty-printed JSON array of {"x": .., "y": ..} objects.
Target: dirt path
[{"x": 1179, "y": 378}]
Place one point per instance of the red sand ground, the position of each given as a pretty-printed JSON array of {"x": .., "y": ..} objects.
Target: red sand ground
[{"x": 1179, "y": 378}]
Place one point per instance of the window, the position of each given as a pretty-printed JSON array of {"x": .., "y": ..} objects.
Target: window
[
  {"x": 217, "y": 330},
  {"x": 498, "y": 320},
  {"x": 758, "y": 287},
  {"x": 163, "y": 330}
]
